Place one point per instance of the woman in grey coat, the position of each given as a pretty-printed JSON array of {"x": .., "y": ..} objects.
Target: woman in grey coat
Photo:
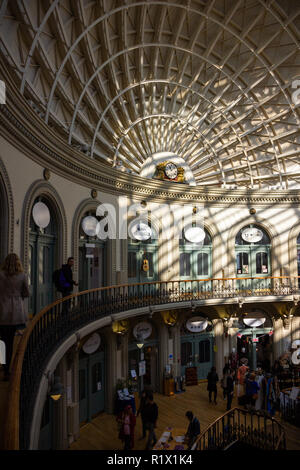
[{"x": 13, "y": 290}]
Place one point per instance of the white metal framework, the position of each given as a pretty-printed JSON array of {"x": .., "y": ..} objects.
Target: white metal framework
[{"x": 214, "y": 81}]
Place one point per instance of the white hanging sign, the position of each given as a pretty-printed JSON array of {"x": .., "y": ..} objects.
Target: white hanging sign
[
  {"x": 89, "y": 225},
  {"x": 252, "y": 235},
  {"x": 194, "y": 234},
  {"x": 142, "y": 330},
  {"x": 92, "y": 344},
  {"x": 140, "y": 230},
  {"x": 41, "y": 215},
  {"x": 253, "y": 322},
  {"x": 196, "y": 324}
]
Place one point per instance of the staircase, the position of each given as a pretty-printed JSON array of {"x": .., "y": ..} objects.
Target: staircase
[{"x": 239, "y": 429}]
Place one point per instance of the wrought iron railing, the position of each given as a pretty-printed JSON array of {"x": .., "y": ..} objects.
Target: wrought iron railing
[
  {"x": 290, "y": 407},
  {"x": 245, "y": 428},
  {"x": 56, "y": 322}
]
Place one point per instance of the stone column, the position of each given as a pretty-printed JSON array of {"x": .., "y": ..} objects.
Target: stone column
[
  {"x": 111, "y": 369},
  {"x": 59, "y": 430},
  {"x": 219, "y": 339},
  {"x": 163, "y": 336},
  {"x": 175, "y": 332}
]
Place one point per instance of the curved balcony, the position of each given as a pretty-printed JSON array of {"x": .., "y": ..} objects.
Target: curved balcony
[{"x": 58, "y": 321}]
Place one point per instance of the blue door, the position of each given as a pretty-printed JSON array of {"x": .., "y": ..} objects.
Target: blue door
[
  {"x": 91, "y": 385},
  {"x": 197, "y": 351}
]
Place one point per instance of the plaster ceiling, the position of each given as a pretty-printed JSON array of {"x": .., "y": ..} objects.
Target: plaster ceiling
[{"x": 214, "y": 82}]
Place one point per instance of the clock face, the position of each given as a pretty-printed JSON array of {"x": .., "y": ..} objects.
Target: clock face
[{"x": 171, "y": 171}]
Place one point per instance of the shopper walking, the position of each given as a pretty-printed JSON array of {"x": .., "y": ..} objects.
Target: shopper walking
[
  {"x": 151, "y": 415},
  {"x": 13, "y": 291},
  {"x": 252, "y": 389},
  {"x": 141, "y": 411},
  {"x": 127, "y": 422},
  {"x": 193, "y": 430},
  {"x": 259, "y": 379},
  {"x": 226, "y": 372},
  {"x": 230, "y": 388},
  {"x": 212, "y": 380}
]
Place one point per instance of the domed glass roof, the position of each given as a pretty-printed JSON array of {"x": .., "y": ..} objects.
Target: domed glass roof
[{"x": 214, "y": 82}]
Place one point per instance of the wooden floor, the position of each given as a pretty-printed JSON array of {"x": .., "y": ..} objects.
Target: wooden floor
[{"x": 102, "y": 434}]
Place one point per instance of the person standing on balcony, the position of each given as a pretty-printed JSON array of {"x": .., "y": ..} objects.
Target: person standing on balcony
[
  {"x": 212, "y": 379},
  {"x": 13, "y": 291},
  {"x": 66, "y": 282}
]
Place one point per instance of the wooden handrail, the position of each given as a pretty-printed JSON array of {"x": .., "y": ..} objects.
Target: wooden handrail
[{"x": 11, "y": 435}]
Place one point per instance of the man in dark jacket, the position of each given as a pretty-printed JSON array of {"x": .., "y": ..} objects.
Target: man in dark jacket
[
  {"x": 150, "y": 416},
  {"x": 141, "y": 410},
  {"x": 229, "y": 389},
  {"x": 66, "y": 278},
  {"x": 212, "y": 380},
  {"x": 66, "y": 282},
  {"x": 193, "y": 429}
]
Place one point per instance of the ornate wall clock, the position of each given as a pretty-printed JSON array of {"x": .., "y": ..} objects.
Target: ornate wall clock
[{"x": 169, "y": 171}]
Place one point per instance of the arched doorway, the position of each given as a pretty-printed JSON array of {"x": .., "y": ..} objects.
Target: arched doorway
[
  {"x": 255, "y": 339},
  {"x": 196, "y": 348},
  {"x": 148, "y": 353},
  {"x": 92, "y": 254},
  {"x": 253, "y": 253},
  {"x": 42, "y": 257},
  {"x": 91, "y": 378}
]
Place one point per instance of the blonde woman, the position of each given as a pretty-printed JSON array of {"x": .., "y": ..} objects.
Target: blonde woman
[{"x": 13, "y": 290}]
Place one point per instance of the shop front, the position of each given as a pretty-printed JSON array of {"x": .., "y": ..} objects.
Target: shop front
[
  {"x": 91, "y": 378},
  {"x": 197, "y": 340}
]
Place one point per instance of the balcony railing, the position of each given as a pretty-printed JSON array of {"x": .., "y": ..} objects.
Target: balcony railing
[
  {"x": 245, "y": 428},
  {"x": 56, "y": 322}
]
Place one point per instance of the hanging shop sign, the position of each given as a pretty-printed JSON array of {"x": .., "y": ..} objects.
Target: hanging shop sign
[
  {"x": 140, "y": 230},
  {"x": 89, "y": 225},
  {"x": 41, "y": 215},
  {"x": 194, "y": 234},
  {"x": 196, "y": 324},
  {"x": 142, "y": 330},
  {"x": 253, "y": 322},
  {"x": 92, "y": 344},
  {"x": 252, "y": 235}
]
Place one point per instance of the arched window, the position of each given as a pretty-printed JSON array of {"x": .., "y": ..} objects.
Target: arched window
[
  {"x": 253, "y": 252},
  {"x": 195, "y": 259}
]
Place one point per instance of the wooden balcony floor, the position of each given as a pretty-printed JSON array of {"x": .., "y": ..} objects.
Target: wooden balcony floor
[{"x": 102, "y": 434}]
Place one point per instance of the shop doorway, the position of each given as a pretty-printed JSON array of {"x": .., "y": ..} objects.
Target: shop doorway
[
  {"x": 256, "y": 344},
  {"x": 150, "y": 351},
  {"x": 197, "y": 351},
  {"x": 92, "y": 255},
  {"x": 91, "y": 385},
  {"x": 253, "y": 256},
  {"x": 41, "y": 261}
]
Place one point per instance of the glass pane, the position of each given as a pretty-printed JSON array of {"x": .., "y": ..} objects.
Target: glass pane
[
  {"x": 186, "y": 353},
  {"x": 202, "y": 264},
  {"x": 82, "y": 387},
  {"x": 150, "y": 259},
  {"x": 261, "y": 263},
  {"x": 242, "y": 263},
  {"x": 185, "y": 264},
  {"x": 131, "y": 264},
  {"x": 96, "y": 377},
  {"x": 204, "y": 351},
  {"x": 30, "y": 266}
]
